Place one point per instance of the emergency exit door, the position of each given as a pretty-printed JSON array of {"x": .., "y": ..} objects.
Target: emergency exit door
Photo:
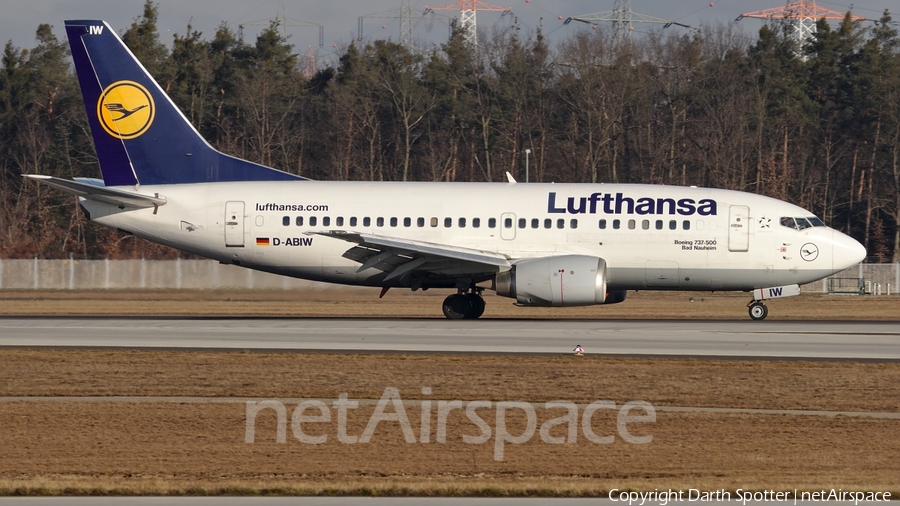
[
  {"x": 508, "y": 226},
  {"x": 738, "y": 228},
  {"x": 234, "y": 224}
]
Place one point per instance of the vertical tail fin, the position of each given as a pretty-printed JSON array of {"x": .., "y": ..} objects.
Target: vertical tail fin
[{"x": 139, "y": 134}]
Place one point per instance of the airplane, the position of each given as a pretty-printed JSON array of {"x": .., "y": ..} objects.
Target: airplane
[{"x": 539, "y": 244}]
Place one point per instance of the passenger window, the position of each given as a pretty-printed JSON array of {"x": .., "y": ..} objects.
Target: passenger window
[
  {"x": 659, "y": 225},
  {"x": 492, "y": 223},
  {"x": 286, "y": 221},
  {"x": 645, "y": 224},
  {"x": 299, "y": 221},
  {"x": 686, "y": 224},
  {"x": 631, "y": 224},
  {"x": 476, "y": 222},
  {"x": 573, "y": 223},
  {"x": 326, "y": 221},
  {"x": 448, "y": 222},
  {"x": 560, "y": 223},
  {"x": 393, "y": 222},
  {"x": 407, "y": 222},
  {"x": 507, "y": 223},
  {"x": 535, "y": 223},
  {"x": 367, "y": 222},
  {"x": 602, "y": 224},
  {"x": 339, "y": 221},
  {"x": 312, "y": 221},
  {"x": 673, "y": 225},
  {"x": 379, "y": 222},
  {"x": 353, "y": 221},
  {"x": 548, "y": 223},
  {"x": 434, "y": 222},
  {"x": 522, "y": 222},
  {"x": 420, "y": 222},
  {"x": 462, "y": 223},
  {"x": 616, "y": 224}
]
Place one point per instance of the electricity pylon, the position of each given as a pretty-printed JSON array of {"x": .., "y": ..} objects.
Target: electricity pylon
[
  {"x": 406, "y": 16},
  {"x": 801, "y": 16},
  {"x": 622, "y": 19},
  {"x": 284, "y": 22},
  {"x": 467, "y": 15}
]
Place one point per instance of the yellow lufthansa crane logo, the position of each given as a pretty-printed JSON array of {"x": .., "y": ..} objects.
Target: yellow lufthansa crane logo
[{"x": 125, "y": 109}]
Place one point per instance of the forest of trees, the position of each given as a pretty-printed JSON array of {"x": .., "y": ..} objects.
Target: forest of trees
[{"x": 817, "y": 125}]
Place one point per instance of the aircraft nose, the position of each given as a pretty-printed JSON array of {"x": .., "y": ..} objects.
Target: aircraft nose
[{"x": 847, "y": 251}]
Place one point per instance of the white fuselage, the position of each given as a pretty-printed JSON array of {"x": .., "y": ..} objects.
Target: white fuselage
[{"x": 652, "y": 237}]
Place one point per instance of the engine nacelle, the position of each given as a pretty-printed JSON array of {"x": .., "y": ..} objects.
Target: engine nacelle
[
  {"x": 567, "y": 280},
  {"x": 615, "y": 296}
]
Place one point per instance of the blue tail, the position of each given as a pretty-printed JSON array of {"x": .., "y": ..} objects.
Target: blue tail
[{"x": 139, "y": 134}]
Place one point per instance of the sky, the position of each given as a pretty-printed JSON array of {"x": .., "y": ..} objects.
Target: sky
[{"x": 20, "y": 18}]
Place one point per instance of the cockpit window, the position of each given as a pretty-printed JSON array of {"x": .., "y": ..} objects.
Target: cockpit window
[
  {"x": 802, "y": 223},
  {"x": 799, "y": 223}
]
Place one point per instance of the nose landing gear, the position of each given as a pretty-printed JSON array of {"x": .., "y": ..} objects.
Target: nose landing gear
[
  {"x": 464, "y": 305},
  {"x": 757, "y": 310}
]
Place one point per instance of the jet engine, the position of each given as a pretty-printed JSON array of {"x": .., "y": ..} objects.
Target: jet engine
[{"x": 566, "y": 280}]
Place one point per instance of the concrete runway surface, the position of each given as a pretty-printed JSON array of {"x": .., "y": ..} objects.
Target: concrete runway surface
[{"x": 772, "y": 339}]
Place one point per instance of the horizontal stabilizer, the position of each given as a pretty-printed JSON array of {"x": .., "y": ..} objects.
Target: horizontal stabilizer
[{"x": 112, "y": 196}]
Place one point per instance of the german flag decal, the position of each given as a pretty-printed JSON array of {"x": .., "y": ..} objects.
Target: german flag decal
[{"x": 262, "y": 241}]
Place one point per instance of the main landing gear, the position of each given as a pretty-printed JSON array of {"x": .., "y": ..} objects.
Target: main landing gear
[
  {"x": 464, "y": 305},
  {"x": 758, "y": 310}
]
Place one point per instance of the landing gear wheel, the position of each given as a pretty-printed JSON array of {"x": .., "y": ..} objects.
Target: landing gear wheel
[
  {"x": 457, "y": 306},
  {"x": 476, "y": 304},
  {"x": 758, "y": 311}
]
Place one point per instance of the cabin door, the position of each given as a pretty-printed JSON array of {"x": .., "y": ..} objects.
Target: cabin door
[
  {"x": 738, "y": 228},
  {"x": 234, "y": 224}
]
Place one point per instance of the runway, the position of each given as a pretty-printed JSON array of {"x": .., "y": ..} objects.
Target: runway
[{"x": 767, "y": 339}]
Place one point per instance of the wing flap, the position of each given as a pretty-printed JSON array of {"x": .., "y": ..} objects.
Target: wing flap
[
  {"x": 399, "y": 256},
  {"x": 88, "y": 191}
]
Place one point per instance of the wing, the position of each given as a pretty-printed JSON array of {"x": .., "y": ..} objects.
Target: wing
[
  {"x": 397, "y": 257},
  {"x": 90, "y": 191}
]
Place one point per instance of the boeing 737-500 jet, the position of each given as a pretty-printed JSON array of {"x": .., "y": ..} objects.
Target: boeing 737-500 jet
[{"x": 539, "y": 244}]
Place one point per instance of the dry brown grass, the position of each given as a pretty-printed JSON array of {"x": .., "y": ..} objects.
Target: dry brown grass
[
  {"x": 364, "y": 302},
  {"x": 835, "y": 386},
  {"x": 159, "y": 447},
  {"x": 181, "y": 446}
]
